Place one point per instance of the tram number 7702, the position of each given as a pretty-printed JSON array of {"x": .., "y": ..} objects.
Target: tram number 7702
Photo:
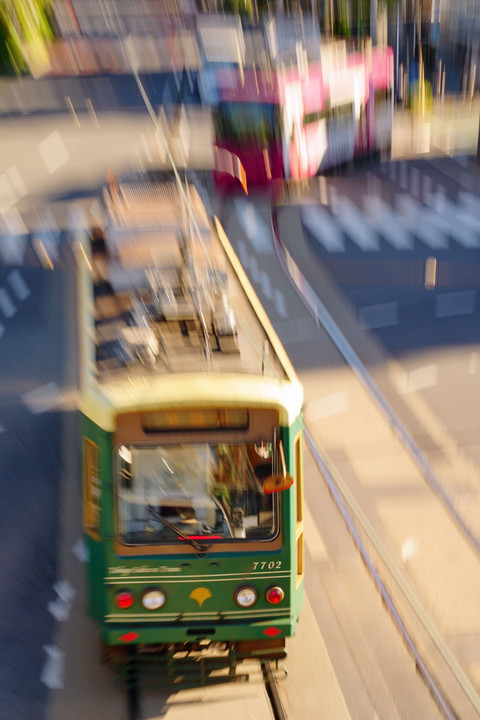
[{"x": 272, "y": 565}]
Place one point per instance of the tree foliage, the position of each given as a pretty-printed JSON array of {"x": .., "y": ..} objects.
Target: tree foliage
[{"x": 26, "y": 28}]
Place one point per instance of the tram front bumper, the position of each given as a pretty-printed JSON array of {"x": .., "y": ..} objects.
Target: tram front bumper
[{"x": 159, "y": 634}]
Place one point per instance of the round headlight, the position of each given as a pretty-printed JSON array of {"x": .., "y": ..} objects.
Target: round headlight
[
  {"x": 124, "y": 599},
  {"x": 274, "y": 595},
  {"x": 153, "y": 599},
  {"x": 246, "y": 596}
]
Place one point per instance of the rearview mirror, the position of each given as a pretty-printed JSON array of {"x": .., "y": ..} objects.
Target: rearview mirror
[{"x": 277, "y": 483}]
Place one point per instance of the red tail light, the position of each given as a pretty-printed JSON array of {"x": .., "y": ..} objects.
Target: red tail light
[
  {"x": 274, "y": 595},
  {"x": 124, "y": 599}
]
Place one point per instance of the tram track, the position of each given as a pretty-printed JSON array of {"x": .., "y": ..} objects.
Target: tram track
[
  {"x": 133, "y": 688},
  {"x": 448, "y": 683},
  {"x": 322, "y": 317}
]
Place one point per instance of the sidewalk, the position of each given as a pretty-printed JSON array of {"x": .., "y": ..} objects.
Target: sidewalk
[{"x": 449, "y": 128}]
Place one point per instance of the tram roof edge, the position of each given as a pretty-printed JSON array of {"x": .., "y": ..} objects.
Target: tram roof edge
[
  {"x": 193, "y": 390},
  {"x": 256, "y": 304}
]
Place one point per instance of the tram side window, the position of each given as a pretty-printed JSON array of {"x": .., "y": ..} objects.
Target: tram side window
[
  {"x": 91, "y": 488},
  {"x": 299, "y": 526}
]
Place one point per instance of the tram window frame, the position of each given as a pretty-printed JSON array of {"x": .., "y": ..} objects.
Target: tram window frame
[
  {"x": 233, "y": 543},
  {"x": 299, "y": 507},
  {"x": 92, "y": 483}
]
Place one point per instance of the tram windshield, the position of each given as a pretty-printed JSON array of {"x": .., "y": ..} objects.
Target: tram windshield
[
  {"x": 250, "y": 125},
  {"x": 203, "y": 492}
]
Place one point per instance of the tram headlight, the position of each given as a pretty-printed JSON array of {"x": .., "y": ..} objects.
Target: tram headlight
[
  {"x": 246, "y": 596},
  {"x": 124, "y": 599},
  {"x": 274, "y": 595},
  {"x": 153, "y": 599}
]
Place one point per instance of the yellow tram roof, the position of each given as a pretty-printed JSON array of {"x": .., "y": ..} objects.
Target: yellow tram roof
[{"x": 159, "y": 266}]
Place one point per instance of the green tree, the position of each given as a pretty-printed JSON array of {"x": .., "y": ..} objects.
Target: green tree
[{"x": 26, "y": 28}]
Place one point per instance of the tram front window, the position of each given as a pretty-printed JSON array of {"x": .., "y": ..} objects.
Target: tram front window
[{"x": 210, "y": 492}]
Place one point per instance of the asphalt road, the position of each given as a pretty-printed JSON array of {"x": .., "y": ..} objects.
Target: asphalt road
[
  {"x": 31, "y": 369},
  {"x": 33, "y": 346}
]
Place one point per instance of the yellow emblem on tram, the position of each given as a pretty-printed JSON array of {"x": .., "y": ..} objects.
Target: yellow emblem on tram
[{"x": 200, "y": 594}]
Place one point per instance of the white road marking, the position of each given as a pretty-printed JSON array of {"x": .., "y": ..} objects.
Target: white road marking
[
  {"x": 53, "y": 152},
  {"x": 458, "y": 222},
  {"x": 355, "y": 225},
  {"x": 327, "y": 406},
  {"x": 455, "y": 303},
  {"x": 42, "y": 399},
  {"x": 419, "y": 379},
  {"x": 266, "y": 285},
  {"x": 415, "y": 181},
  {"x": 19, "y": 285},
  {"x": 254, "y": 269},
  {"x": 388, "y": 223},
  {"x": 60, "y": 608},
  {"x": 80, "y": 550},
  {"x": 53, "y": 671},
  {"x": 6, "y": 305},
  {"x": 254, "y": 227},
  {"x": 280, "y": 304},
  {"x": 426, "y": 185},
  {"x": 323, "y": 228},
  {"x": 13, "y": 249},
  {"x": 421, "y": 222},
  {"x": 2, "y": 330},
  {"x": 470, "y": 202},
  {"x": 377, "y": 316}
]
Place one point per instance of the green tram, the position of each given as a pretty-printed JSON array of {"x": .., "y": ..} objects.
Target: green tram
[{"x": 191, "y": 424}]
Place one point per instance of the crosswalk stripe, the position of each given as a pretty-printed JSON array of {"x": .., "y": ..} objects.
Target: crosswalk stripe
[
  {"x": 471, "y": 203},
  {"x": 254, "y": 227},
  {"x": 280, "y": 304},
  {"x": 403, "y": 179},
  {"x": 415, "y": 181},
  {"x": 6, "y": 305},
  {"x": 456, "y": 221},
  {"x": 421, "y": 222},
  {"x": 323, "y": 228},
  {"x": 427, "y": 183},
  {"x": 266, "y": 285},
  {"x": 12, "y": 249},
  {"x": 42, "y": 399},
  {"x": 388, "y": 223},
  {"x": 19, "y": 285},
  {"x": 353, "y": 222}
]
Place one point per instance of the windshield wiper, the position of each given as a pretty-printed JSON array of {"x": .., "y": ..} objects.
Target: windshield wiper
[{"x": 198, "y": 546}]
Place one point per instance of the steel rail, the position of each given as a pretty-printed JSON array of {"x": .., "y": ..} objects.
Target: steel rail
[
  {"x": 272, "y": 690},
  {"x": 347, "y": 503},
  {"x": 323, "y": 317}
]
